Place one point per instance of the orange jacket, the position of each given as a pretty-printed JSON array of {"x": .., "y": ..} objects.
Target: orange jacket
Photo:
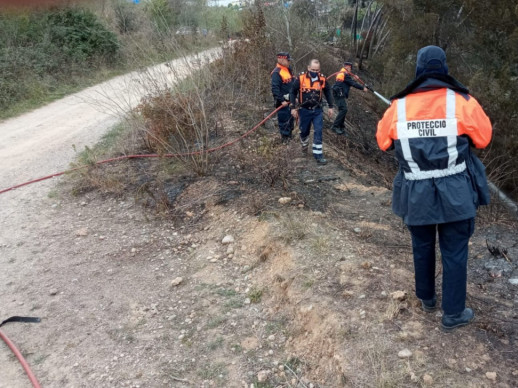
[
  {"x": 342, "y": 74},
  {"x": 439, "y": 179},
  {"x": 470, "y": 118},
  {"x": 281, "y": 81},
  {"x": 309, "y": 93}
]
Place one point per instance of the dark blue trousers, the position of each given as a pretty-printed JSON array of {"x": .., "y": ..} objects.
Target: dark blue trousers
[
  {"x": 453, "y": 243},
  {"x": 339, "y": 122},
  {"x": 286, "y": 122},
  {"x": 315, "y": 117}
]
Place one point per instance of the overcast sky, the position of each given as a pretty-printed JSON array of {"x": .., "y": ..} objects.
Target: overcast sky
[{"x": 221, "y": 3}]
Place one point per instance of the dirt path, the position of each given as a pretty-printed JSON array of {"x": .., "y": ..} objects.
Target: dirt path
[
  {"x": 45, "y": 141},
  {"x": 300, "y": 296}
]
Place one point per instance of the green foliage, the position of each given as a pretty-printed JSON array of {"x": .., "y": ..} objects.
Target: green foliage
[
  {"x": 224, "y": 32},
  {"x": 80, "y": 35},
  {"x": 255, "y": 295},
  {"x": 39, "y": 49},
  {"x": 161, "y": 15},
  {"x": 480, "y": 38}
]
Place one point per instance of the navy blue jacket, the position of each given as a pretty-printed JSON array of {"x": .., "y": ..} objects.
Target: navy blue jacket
[
  {"x": 282, "y": 80},
  {"x": 432, "y": 124},
  {"x": 341, "y": 88}
]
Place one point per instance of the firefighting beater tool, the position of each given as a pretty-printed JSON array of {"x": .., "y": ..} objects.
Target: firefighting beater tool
[{"x": 16, "y": 352}]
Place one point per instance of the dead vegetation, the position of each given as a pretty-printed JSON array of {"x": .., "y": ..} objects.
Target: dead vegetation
[{"x": 304, "y": 294}]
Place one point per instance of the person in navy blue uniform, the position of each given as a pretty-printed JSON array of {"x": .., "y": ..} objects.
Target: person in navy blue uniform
[
  {"x": 341, "y": 94},
  {"x": 432, "y": 124},
  {"x": 282, "y": 80},
  {"x": 308, "y": 89}
]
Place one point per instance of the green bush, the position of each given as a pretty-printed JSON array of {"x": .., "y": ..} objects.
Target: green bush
[
  {"x": 81, "y": 36},
  {"x": 40, "y": 50}
]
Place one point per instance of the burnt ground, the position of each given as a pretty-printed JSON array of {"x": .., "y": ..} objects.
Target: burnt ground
[{"x": 302, "y": 297}]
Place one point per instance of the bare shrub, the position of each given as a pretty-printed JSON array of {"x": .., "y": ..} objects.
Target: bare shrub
[{"x": 176, "y": 123}]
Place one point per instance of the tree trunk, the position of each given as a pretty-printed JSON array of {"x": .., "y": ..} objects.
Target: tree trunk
[
  {"x": 354, "y": 27},
  {"x": 369, "y": 36}
]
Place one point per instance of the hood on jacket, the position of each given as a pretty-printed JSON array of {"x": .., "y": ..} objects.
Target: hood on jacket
[{"x": 431, "y": 59}]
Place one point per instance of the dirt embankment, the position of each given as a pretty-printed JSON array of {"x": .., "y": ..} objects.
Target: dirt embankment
[{"x": 231, "y": 288}]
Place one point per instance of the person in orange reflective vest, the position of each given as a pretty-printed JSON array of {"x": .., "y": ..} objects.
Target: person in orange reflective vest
[
  {"x": 308, "y": 88},
  {"x": 282, "y": 79},
  {"x": 341, "y": 93},
  {"x": 440, "y": 182}
]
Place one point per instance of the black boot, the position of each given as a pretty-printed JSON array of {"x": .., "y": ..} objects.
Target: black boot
[
  {"x": 429, "y": 305},
  {"x": 338, "y": 131},
  {"x": 450, "y": 322},
  {"x": 285, "y": 139}
]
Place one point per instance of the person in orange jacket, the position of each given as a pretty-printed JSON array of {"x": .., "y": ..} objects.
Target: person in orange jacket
[
  {"x": 307, "y": 90},
  {"x": 281, "y": 82},
  {"x": 440, "y": 182},
  {"x": 341, "y": 89}
]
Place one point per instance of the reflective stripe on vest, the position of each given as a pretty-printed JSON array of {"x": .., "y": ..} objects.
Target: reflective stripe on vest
[{"x": 440, "y": 127}]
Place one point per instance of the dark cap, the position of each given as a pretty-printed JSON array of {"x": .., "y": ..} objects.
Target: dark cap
[
  {"x": 284, "y": 55},
  {"x": 431, "y": 59},
  {"x": 348, "y": 64}
]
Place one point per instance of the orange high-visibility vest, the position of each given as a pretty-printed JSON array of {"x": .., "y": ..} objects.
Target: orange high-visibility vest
[
  {"x": 284, "y": 72},
  {"x": 306, "y": 86},
  {"x": 342, "y": 74},
  {"x": 438, "y": 113}
]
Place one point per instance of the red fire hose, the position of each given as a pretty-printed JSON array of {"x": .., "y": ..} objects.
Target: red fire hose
[
  {"x": 16, "y": 352},
  {"x": 145, "y": 156}
]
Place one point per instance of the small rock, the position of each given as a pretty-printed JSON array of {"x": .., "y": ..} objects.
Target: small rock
[
  {"x": 366, "y": 265},
  {"x": 262, "y": 376},
  {"x": 82, "y": 232},
  {"x": 306, "y": 309},
  {"x": 495, "y": 273},
  {"x": 514, "y": 281},
  {"x": 271, "y": 337},
  {"x": 491, "y": 376},
  {"x": 53, "y": 292},
  {"x": 357, "y": 230},
  {"x": 427, "y": 379},
  {"x": 176, "y": 281},
  {"x": 405, "y": 353},
  {"x": 284, "y": 200},
  {"x": 230, "y": 249},
  {"x": 228, "y": 239},
  {"x": 398, "y": 295}
]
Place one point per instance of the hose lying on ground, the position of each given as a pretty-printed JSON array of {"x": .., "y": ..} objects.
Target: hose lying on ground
[
  {"x": 16, "y": 352},
  {"x": 145, "y": 156}
]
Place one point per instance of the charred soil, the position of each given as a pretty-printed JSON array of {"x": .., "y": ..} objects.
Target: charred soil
[{"x": 137, "y": 287}]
